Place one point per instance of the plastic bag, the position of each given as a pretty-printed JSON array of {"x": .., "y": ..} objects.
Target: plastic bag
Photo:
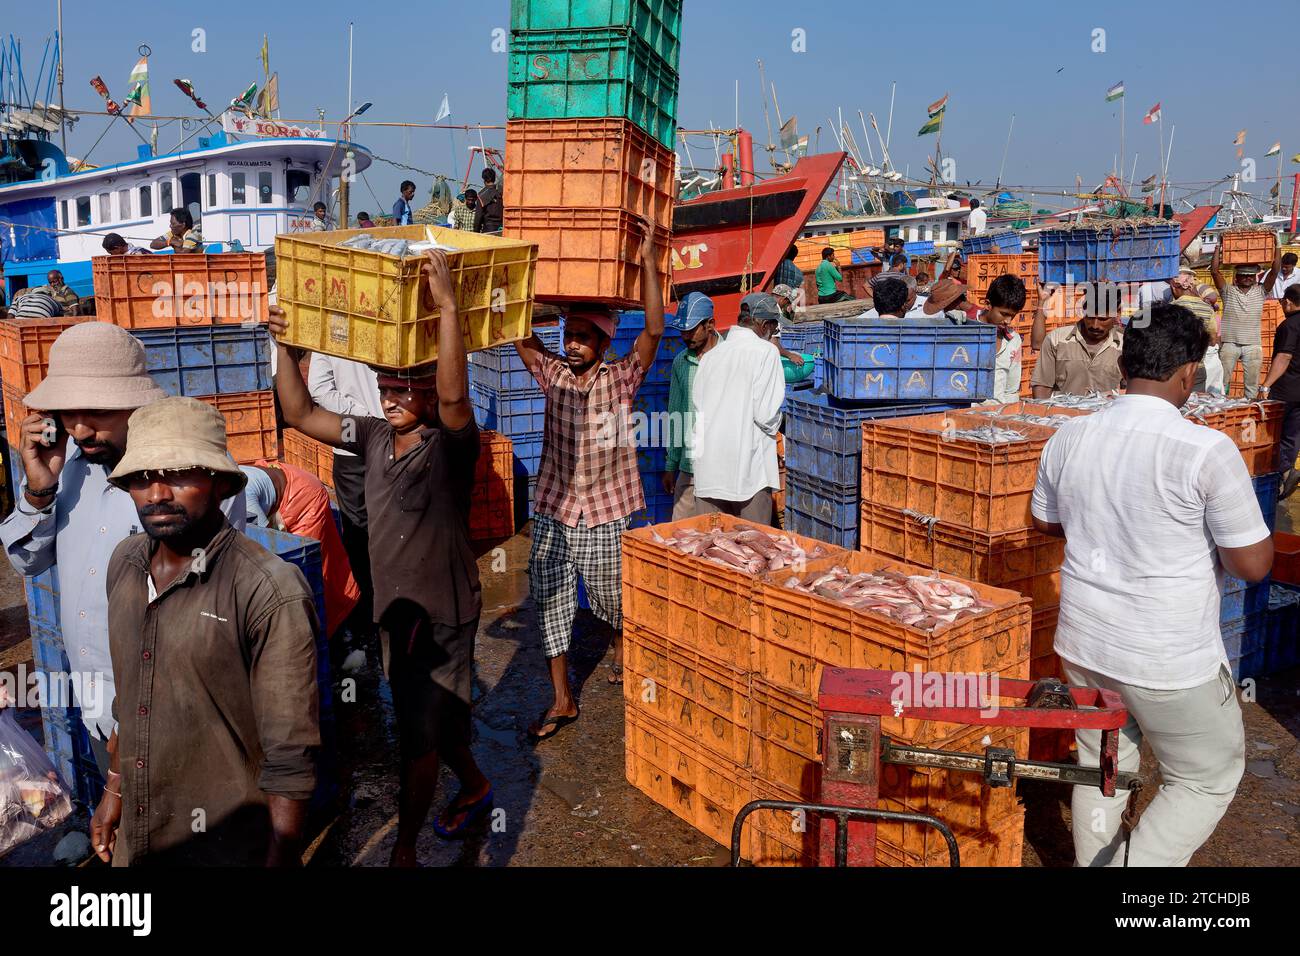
[{"x": 32, "y": 798}]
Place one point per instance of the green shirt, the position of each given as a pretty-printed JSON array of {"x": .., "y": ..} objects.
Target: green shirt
[
  {"x": 828, "y": 274},
  {"x": 680, "y": 412}
]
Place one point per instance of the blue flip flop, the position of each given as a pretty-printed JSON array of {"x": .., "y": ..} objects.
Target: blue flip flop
[{"x": 473, "y": 811}]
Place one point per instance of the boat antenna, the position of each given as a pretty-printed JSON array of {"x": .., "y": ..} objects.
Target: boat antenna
[{"x": 348, "y": 111}]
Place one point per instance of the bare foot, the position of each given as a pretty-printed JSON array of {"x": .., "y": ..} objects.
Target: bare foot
[{"x": 403, "y": 858}]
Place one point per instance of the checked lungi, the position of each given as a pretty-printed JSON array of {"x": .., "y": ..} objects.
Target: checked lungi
[{"x": 559, "y": 555}]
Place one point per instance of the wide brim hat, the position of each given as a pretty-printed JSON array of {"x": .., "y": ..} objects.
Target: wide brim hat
[
  {"x": 176, "y": 434},
  {"x": 943, "y": 294},
  {"x": 95, "y": 366}
]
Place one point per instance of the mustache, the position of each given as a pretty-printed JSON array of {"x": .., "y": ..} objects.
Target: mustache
[{"x": 152, "y": 511}]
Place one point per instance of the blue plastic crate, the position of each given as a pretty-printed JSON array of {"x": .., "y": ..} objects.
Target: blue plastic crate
[
  {"x": 806, "y": 338},
  {"x": 528, "y": 454},
  {"x": 42, "y": 591},
  {"x": 651, "y": 461},
  {"x": 1245, "y": 635},
  {"x": 821, "y": 510},
  {"x": 877, "y": 360},
  {"x": 819, "y": 374},
  {"x": 1004, "y": 242},
  {"x": 651, "y": 398},
  {"x": 1144, "y": 254},
  {"x": 515, "y": 380},
  {"x": 1266, "y": 490},
  {"x": 208, "y": 359},
  {"x": 812, "y": 420},
  {"x": 862, "y": 257},
  {"x": 923, "y": 247},
  {"x": 1248, "y": 665},
  {"x": 658, "y": 503},
  {"x": 48, "y": 651},
  {"x": 1239, "y": 600},
  {"x": 510, "y": 413}
]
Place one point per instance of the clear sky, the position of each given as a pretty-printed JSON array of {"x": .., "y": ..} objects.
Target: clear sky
[{"x": 1213, "y": 69}]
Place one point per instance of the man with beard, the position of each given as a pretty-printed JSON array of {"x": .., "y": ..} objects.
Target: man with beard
[
  {"x": 213, "y": 642},
  {"x": 67, "y": 515}
]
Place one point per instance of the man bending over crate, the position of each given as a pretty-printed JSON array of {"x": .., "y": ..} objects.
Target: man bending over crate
[
  {"x": 419, "y": 472},
  {"x": 587, "y": 485},
  {"x": 1149, "y": 504}
]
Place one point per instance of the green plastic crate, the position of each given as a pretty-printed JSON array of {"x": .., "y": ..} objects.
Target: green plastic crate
[
  {"x": 657, "y": 22},
  {"x": 568, "y": 74}
]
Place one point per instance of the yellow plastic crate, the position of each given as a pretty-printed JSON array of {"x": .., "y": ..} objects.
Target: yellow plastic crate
[{"x": 375, "y": 308}]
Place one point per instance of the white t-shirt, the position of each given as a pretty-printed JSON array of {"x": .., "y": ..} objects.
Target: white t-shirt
[
  {"x": 1144, "y": 497},
  {"x": 737, "y": 396},
  {"x": 977, "y": 221},
  {"x": 1282, "y": 283},
  {"x": 1007, "y": 370},
  {"x": 1154, "y": 293}
]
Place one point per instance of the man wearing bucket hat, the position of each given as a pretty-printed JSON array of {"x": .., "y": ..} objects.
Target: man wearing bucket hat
[
  {"x": 67, "y": 515},
  {"x": 213, "y": 643},
  {"x": 1240, "y": 330},
  {"x": 694, "y": 320},
  {"x": 419, "y": 473},
  {"x": 737, "y": 397}
]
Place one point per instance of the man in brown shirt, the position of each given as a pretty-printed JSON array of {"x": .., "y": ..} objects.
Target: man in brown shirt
[
  {"x": 213, "y": 642},
  {"x": 1080, "y": 358},
  {"x": 419, "y": 472}
]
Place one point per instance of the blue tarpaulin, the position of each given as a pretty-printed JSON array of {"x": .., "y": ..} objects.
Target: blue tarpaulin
[{"x": 27, "y": 230}]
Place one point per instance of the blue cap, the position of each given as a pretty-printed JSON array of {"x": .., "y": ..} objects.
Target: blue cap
[{"x": 691, "y": 311}]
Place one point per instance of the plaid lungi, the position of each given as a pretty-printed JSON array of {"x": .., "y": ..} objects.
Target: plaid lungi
[{"x": 559, "y": 555}]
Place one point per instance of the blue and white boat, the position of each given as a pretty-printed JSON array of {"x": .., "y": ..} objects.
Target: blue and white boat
[{"x": 240, "y": 192}]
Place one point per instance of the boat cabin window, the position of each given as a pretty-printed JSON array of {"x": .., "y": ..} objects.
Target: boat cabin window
[
  {"x": 146, "y": 200},
  {"x": 83, "y": 210},
  {"x": 165, "y": 195},
  {"x": 952, "y": 231},
  {"x": 297, "y": 187},
  {"x": 212, "y": 190},
  {"x": 63, "y": 214},
  {"x": 264, "y": 187},
  {"x": 105, "y": 208},
  {"x": 123, "y": 204},
  {"x": 237, "y": 189}
]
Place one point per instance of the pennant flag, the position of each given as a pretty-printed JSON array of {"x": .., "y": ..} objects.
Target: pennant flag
[
  {"x": 1115, "y": 92},
  {"x": 186, "y": 87},
  {"x": 266, "y": 57},
  {"x": 801, "y": 146},
  {"x": 938, "y": 106},
  {"x": 268, "y": 101},
  {"x": 444, "y": 110},
  {"x": 1274, "y": 190},
  {"x": 790, "y": 132},
  {"x": 932, "y": 126},
  {"x": 1274, "y": 149},
  {"x": 153, "y": 139},
  {"x": 245, "y": 100},
  {"x": 138, "y": 97},
  {"x": 1240, "y": 140},
  {"x": 1153, "y": 115},
  {"x": 113, "y": 109}
]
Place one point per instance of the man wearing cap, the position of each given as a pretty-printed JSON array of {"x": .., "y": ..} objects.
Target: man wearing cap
[
  {"x": 737, "y": 394},
  {"x": 1183, "y": 287},
  {"x": 694, "y": 320},
  {"x": 419, "y": 473},
  {"x": 1083, "y": 357},
  {"x": 213, "y": 642},
  {"x": 1240, "y": 329},
  {"x": 786, "y": 297},
  {"x": 587, "y": 484},
  {"x": 67, "y": 514}
]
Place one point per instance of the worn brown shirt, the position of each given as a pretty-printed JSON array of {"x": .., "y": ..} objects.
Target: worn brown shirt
[
  {"x": 1068, "y": 364},
  {"x": 217, "y": 701},
  {"x": 417, "y": 509}
]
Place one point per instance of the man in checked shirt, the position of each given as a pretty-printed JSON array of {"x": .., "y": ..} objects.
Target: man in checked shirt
[{"x": 588, "y": 484}]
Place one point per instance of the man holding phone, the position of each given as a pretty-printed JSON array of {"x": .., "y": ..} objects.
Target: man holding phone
[{"x": 66, "y": 513}]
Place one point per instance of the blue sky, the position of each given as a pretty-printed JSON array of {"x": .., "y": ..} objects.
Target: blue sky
[{"x": 1213, "y": 72}]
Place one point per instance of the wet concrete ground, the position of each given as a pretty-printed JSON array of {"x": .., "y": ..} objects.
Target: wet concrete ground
[{"x": 565, "y": 802}]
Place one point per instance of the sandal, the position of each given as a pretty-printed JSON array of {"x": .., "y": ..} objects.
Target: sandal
[
  {"x": 616, "y": 674},
  {"x": 473, "y": 811},
  {"x": 556, "y": 723}
]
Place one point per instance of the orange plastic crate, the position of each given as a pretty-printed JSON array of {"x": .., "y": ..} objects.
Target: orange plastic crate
[
  {"x": 983, "y": 268},
  {"x": 692, "y": 602},
  {"x": 312, "y": 456},
  {"x": 797, "y": 634},
  {"x": 914, "y": 464},
  {"x": 606, "y": 163},
  {"x": 1023, "y": 561},
  {"x": 15, "y": 412},
  {"x": 1255, "y": 429},
  {"x": 1245, "y": 247},
  {"x": 1286, "y": 557},
  {"x": 492, "y": 501},
  {"x": 250, "y": 423},
  {"x": 999, "y": 846},
  {"x": 1028, "y": 359},
  {"x": 587, "y": 254},
  {"x": 25, "y": 349},
  {"x": 1043, "y": 632},
  {"x": 153, "y": 292}
]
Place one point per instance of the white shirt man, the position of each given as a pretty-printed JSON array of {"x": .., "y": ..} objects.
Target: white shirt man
[
  {"x": 737, "y": 394},
  {"x": 1287, "y": 276},
  {"x": 977, "y": 221}
]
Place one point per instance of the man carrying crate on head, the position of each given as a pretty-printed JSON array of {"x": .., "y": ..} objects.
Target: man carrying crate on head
[{"x": 588, "y": 484}]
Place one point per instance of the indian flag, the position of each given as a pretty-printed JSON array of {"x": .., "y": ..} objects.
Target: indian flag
[
  {"x": 1115, "y": 92},
  {"x": 1274, "y": 149},
  {"x": 938, "y": 106},
  {"x": 138, "y": 96}
]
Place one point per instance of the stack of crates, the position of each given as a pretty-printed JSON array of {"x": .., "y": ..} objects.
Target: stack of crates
[
  {"x": 1244, "y": 608},
  {"x": 592, "y": 125},
  {"x": 872, "y": 369},
  {"x": 720, "y": 697}
]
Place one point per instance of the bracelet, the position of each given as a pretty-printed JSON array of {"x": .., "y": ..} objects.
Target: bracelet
[
  {"x": 113, "y": 792},
  {"x": 44, "y": 492}
]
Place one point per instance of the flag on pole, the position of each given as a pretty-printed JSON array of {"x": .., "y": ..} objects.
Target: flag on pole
[
  {"x": 932, "y": 126},
  {"x": 1241, "y": 139},
  {"x": 266, "y": 57},
  {"x": 245, "y": 100},
  {"x": 1274, "y": 190},
  {"x": 138, "y": 96},
  {"x": 801, "y": 146},
  {"x": 1115, "y": 92},
  {"x": 1274, "y": 149},
  {"x": 790, "y": 133},
  {"x": 1149, "y": 184},
  {"x": 268, "y": 101},
  {"x": 1153, "y": 115},
  {"x": 938, "y": 106},
  {"x": 1296, "y": 158},
  {"x": 187, "y": 88},
  {"x": 444, "y": 109}
]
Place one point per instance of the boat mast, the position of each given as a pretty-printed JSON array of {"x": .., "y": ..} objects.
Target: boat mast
[
  {"x": 767, "y": 118},
  {"x": 63, "y": 126}
]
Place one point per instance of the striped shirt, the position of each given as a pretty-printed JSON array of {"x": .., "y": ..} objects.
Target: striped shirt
[
  {"x": 1242, "y": 314},
  {"x": 38, "y": 303}
]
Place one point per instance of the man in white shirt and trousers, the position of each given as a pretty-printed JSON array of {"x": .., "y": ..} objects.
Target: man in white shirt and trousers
[
  {"x": 1153, "y": 509},
  {"x": 737, "y": 395}
]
